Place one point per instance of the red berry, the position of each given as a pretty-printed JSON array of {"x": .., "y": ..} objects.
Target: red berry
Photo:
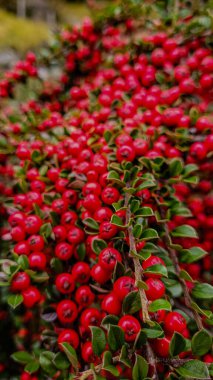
[
  {"x": 63, "y": 251},
  {"x": 67, "y": 311},
  {"x": 111, "y": 304},
  {"x": 81, "y": 272},
  {"x": 31, "y": 296},
  {"x": 156, "y": 289},
  {"x": 130, "y": 326},
  {"x": 174, "y": 322},
  {"x": 123, "y": 286},
  {"x": 65, "y": 283},
  {"x": 108, "y": 258},
  {"x": 68, "y": 336},
  {"x": 21, "y": 281}
]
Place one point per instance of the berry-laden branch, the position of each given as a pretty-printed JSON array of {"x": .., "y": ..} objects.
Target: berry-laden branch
[
  {"x": 136, "y": 261},
  {"x": 174, "y": 258}
]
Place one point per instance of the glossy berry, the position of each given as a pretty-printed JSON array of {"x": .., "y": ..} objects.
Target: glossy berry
[
  {"x": 108, "y": 258},
  {"x": 66, "y": 311},
  {"x": 31, "y": 296},
  {"x": 68, "y": 336},
  {"x": 20, "y": 281},
  {"x": 81, "y": 272},
  {"x": 65, "y": 283},
  {"x": 63, "y": 251},
  {"x": 130, "y": 326},
  {"x": 90, "y": 317},
  {"x": 174, "y": 322},
  {"x": 156, "y": 289},
  {"x": 122, "y": 286},
  {"x": 111, "y": 304},
  {"x": 84, "y": 296}
]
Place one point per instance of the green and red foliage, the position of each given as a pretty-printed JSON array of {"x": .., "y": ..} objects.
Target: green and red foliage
[{"x": 106, "y": 201}]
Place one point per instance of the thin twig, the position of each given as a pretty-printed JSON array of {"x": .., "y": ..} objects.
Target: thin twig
[
  {"x": 136, "y": 261},
  {"x": 152, "y": 360}
]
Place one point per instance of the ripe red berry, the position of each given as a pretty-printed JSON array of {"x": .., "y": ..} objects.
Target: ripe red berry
[
  {"x": 65, "y": 283},
  {"x": 174, "y": 322},
  {"x": 20, "y": 282},
  {"x": 66, "y": 311},
  {"x": 37, "y": 260},
  {"x": 108, "y": 258},
  {"x": 156, "y": 289},
  {"x": 31, "y": 296},
  {"x": 90, "y": 317},
  {"x": 75, "y": 235},
  {"x": 122, "y": 286},
  {"x": 84, "y": 296},
  {"x": 125, "y": 153},
  {"x": 32, "y": 224},
  {"x": 161, "y": 347},
  {"x": 99, "y": 274},
  {"x": 68, "y": 336},
  {"x": 111, "y": 304},
  {"x": 110, "y": 195},
  {"x": 81, "y": 272},
  {"x": 63, "y": 251},
  {"x": 148, "y": 263},
  {"x": 130, "y": 326},
  {"x": 87, "y": 352}
]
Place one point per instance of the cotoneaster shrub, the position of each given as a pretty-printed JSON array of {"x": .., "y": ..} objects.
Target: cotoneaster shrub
[{"x": 106, "y": 202}]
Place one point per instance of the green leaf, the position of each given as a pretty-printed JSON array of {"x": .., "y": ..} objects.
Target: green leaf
[
  {"x": 149, "y": 233},
  {"x": 109, "y": 319},
  {"x": 134, "y": 205},
  {"x": 140, "y": 340},
  {"x": 124, "y": 356},
  {"x": 81, "y": 251},
  {"x": 180, "y": 210},
  {"x": 157, "y": 269},
  {"x": 132, "y": 303},
  {"x": 116, "y": 220},
  {"x": 60, "y": 361},
  {"x": 193, "y": 368},
  {"x": 32, "y": 367},
  {"x": 140, "y": 369},
  {"x": 98, "y": 340},
  {"x": 98, "y": 245},
  {"x": 14, "y": 300},
  {"x": 91, "y": 223},
  {"x": 177, "y": 344},
  {"x": 137, "y": 230},
  {"x": 146, "y": 185},
  {"x": 70, "y": 353},
  {"x": 184, "y": 231},
  {"x": 206, "y": 313},
  {"x": 153, "y": 332},
  {"x": 46, "y": 361},
  {"x": 201, "y": 342},
  {"x": 46, "y": 230},
  {"x": 192, "y": 254},
  {"x": 22, "y": 357},
  {"x": 188, "y": 169},
  {"x": 160, "y": 304},
  {"x": 107, "y": 135},
  {"x": 175, "y": 167},
  {"x": 115, "y": 337},
  {"x": 203, "y": 291},
  {"x": 185, "y": 275},
  {"x": 144, "y": 211},
  {"x": 23, "y": 262}
]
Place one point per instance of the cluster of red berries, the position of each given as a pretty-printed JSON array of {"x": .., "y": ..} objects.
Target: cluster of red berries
[{"x": 65, "y": 249}]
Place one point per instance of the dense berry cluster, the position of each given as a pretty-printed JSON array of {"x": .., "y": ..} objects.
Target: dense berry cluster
[{"x": 100, "y": 253}]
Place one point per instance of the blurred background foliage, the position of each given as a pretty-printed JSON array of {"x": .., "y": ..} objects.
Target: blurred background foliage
[{"x": 28, "y": 24}]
